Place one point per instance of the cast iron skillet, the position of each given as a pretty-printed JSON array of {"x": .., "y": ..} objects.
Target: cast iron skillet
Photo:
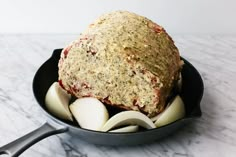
[{"x": 191, "y": 94}]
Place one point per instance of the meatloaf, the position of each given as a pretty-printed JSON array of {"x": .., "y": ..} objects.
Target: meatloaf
[{"x": 124, "y": 60}]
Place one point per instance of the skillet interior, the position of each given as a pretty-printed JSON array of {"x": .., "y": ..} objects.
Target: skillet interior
[{"x": 191, "y": 94}]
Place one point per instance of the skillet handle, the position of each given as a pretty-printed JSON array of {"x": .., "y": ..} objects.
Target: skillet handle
[{"x": 15, "y": 148}]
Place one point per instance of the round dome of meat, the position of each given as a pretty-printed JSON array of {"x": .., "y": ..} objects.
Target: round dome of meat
[{"x": 123, "y": 59}]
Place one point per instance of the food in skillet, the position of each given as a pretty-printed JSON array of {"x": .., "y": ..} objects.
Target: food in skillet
[
  {"x": 91, "y": 114},
  {"x": 57, "y": 101},
  {"x": 124, "y": 60}
]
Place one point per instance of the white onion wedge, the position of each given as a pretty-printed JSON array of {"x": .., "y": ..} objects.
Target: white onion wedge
[
  {"x": 173, "y": 112},
  {"x": 57, "y": 102},
  {"x": 131, "y": 128},
  {"x": 128, "y": 118},
  {"x": 90, "y": 113}
]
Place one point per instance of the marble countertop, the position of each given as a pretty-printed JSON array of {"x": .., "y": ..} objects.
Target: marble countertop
[{"x": 214, "y": 134}]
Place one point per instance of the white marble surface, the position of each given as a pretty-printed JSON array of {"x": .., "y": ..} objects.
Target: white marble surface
[{"x": 212, "y": 135}]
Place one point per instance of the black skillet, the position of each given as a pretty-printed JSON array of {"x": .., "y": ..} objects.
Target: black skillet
[{"x": 192, "y": 91}]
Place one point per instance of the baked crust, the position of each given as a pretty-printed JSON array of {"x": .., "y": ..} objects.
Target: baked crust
[{"x": 124, "y": 60}]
